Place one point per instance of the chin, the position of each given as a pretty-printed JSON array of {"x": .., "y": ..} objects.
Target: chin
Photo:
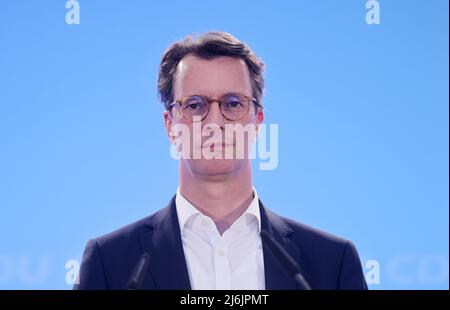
[{"x": 215, "y": 168}]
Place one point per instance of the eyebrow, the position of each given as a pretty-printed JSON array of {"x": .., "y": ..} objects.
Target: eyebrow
[{"x": 221, "y": 96}]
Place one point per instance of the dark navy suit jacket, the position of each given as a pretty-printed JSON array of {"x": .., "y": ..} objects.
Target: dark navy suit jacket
[{"x": 327, "y": 262}]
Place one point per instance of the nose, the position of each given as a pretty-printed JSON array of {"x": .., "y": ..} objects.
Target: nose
[{"x": 215, "y": 115}]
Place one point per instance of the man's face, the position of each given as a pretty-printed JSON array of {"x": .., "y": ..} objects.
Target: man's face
[{"x": 212, "y": 78}]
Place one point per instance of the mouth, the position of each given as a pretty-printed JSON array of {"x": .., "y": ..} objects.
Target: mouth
[{"x": 214, "y": 146}]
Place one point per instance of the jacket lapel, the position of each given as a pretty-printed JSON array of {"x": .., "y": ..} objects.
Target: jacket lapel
[
  {"x": 168, "y": 269},
  {"x": 276, "y": 278},
  {"x": 162, "y": 240}
]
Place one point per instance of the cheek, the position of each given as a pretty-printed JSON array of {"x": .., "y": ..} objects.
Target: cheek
[
  {"x": 177, "y": 115},
  {"x": 250, "y": 119}
]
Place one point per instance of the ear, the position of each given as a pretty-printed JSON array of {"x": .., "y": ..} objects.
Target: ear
[
  {"x": 259, "y": 118},
  {"x": 168, "y": 126}
]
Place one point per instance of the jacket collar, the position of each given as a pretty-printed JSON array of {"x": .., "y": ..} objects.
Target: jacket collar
[
  {"x": 162, "y": 240},
  {"x": 276, "y": 277},
  {"x": 168, "y": 268}
]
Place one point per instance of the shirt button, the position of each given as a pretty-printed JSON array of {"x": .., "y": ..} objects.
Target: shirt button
[
  {"x": 205, "y": 223},
  {"x": 220, "y": 252}
]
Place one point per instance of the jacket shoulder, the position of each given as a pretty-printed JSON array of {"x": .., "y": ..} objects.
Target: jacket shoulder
[
  {"x": 125, "y": 234},
  {"x": 328, "y": 261},
  {"x": 108, "y": 260},
  {"x": 310, "y": 234}
]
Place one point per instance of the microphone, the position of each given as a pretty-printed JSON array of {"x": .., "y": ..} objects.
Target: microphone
[
  {"x": 139, "y": 272},
  {"x": 285, "y": 260}
]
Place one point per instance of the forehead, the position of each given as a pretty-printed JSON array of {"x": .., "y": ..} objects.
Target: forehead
[{"x": 211, "y": 77}]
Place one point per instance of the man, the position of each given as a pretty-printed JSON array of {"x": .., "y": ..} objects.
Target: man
[{"x": 208, "y": 237}]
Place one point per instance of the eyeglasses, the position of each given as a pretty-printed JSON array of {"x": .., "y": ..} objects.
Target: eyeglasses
[{"x": 232, "y": 106}]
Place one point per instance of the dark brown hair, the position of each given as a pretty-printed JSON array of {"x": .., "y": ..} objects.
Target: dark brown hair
[{"x": 208, "y": 46}]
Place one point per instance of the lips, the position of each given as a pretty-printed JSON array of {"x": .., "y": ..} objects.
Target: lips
[{"x": 217, "y": 144}]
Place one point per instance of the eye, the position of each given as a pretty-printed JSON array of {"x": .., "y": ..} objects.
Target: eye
[
  {"x": 233, "y": 102},
  {"x": 194, "y": 104}
]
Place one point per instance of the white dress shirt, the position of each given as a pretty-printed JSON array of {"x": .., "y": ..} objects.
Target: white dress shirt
[{"x": 231, "y": 261}]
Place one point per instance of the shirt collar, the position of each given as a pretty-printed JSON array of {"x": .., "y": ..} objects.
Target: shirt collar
[{"x": 186, "y": 211}]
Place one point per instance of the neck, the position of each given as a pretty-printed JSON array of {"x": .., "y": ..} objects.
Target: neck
[{"x": 224, "y": 200}]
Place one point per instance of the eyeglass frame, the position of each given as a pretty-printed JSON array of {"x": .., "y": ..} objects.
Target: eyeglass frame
[{"x": 210, "y": 101}]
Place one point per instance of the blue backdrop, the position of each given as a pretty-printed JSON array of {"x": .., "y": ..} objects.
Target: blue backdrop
[{"x": 362, "y": 112}]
